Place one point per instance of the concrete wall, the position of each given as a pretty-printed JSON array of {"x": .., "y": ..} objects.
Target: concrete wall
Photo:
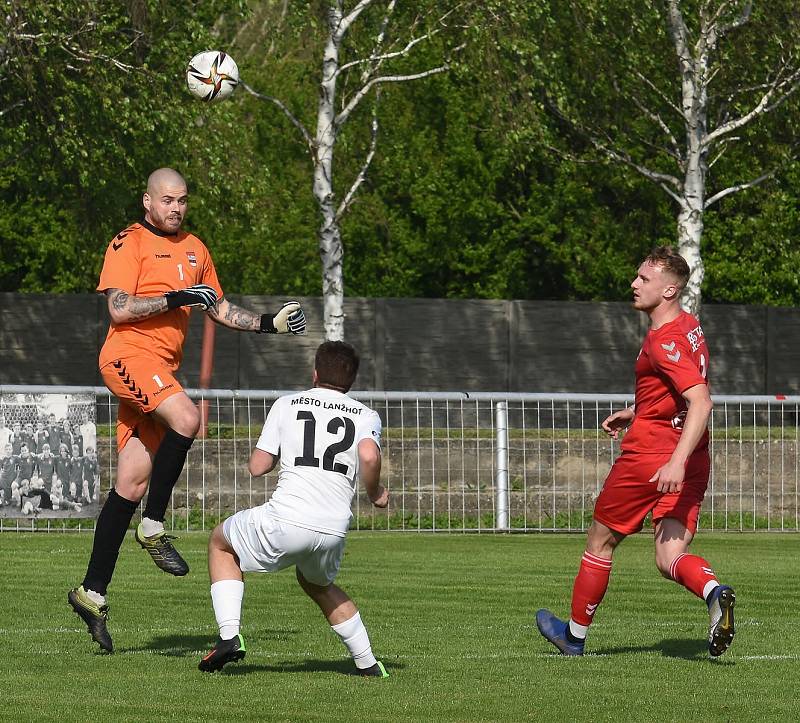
[{"x": 418, "y": 344}]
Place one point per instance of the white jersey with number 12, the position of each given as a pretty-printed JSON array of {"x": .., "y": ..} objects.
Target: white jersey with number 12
[{"x": 316, "y": 434}]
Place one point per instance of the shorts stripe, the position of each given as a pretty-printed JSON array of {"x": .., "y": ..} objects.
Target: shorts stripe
[{"x": 134, "y": 388}]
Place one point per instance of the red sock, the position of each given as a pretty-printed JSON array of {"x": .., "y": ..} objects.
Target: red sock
[
  {"x": 693, "y": 572},
  {"x": 590, "y": 586}
]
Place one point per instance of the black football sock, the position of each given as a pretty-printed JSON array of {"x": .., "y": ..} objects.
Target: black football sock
[
  {"x": 572, "y": 637},
  {"x": 112, "y": 524},
  {"x": 167, "y": 466}
]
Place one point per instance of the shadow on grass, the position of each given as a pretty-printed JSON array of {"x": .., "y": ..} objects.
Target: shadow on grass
[
  {"x": 190, "y": 646},
  {"x": 343, "y": 667},
  {"x": 694, "y": 650},
  {"x": 180, "y": 646}
]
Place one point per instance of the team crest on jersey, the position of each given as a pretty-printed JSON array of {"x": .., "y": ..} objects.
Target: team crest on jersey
[
  {"x": 192, "y": 258},
  {"x": 678, "y": 420}
]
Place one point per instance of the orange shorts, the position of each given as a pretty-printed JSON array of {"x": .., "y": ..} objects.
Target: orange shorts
[
  {"x": 628, "y": 495},
  {"x": 140, "y": 384}
]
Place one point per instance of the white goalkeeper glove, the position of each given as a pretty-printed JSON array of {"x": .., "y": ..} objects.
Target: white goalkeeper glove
[{"x": 289, "y": 320}]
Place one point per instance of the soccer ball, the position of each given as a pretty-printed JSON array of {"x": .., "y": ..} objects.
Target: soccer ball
[{"x": 212, "y": 75}]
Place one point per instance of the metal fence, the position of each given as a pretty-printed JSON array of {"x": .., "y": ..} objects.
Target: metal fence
[{"x": 484, "y": 462}]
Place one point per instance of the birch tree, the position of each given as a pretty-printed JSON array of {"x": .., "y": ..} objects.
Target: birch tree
[
  {"x": 385, "y": 61},
  {"x": 679, "y": 128}
]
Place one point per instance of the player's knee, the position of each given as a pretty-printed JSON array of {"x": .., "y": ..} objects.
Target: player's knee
[
  {"x": 189, "y": 417},
  {"x": 193, "y": 421},
  {"x": 180, "y": 414},
  {"x": 602, "y": 541},
  {"x": 188, "y": 424},
  {"x": 217, "y": 540},
  {"x": 663, "y": 565},
  {"x": 301, "y": 580},
  {"x": 313, "y": 591},
  {"x": 131, "y": 488}
]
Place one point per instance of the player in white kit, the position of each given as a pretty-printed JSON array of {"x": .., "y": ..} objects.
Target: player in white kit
[{"x": 325, "y": 441}]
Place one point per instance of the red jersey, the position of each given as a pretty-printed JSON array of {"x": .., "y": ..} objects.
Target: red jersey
[
  {"x": 142, "y": 260},
  {"x": 673, "y": 358}
]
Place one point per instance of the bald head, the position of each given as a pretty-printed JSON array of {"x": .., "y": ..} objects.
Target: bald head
[
  {"x": 165, "y": 200},
  {"x": 162, "y": 177}
]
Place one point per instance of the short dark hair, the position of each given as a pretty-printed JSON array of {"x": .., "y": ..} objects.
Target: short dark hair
[
  {"x": 670, "y": 260},
  {"x": 336, "y": 363}
]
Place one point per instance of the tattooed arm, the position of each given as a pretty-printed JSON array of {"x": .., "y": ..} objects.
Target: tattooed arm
[
  {"x": 290, "y": 318},
  {"x": 125, "y": 308},
  {"x": 234, "y": 317}
]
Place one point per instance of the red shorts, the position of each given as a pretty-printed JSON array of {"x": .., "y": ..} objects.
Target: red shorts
[
  {"x": 628, "y": 495},
  {"x": 140, "y": 384}
]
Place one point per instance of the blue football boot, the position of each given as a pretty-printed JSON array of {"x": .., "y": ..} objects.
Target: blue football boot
[{"x": 557, "y": 632}]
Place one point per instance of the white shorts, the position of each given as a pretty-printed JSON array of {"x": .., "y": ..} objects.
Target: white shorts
[{"x": 266, "y": 544}]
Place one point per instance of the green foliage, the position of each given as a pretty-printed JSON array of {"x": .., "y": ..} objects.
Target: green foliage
[
  {"x": 751, "y": 249},
  {"x": 473, "y": 192},
  {"x": 97, "y": 102},
  {"x": 605, "y": 67}
]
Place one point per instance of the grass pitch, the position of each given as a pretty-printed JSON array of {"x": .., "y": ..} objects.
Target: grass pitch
[{"x": 451, "y": 616}]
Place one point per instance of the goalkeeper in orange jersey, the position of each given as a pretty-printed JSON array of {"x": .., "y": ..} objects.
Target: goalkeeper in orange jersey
[{"x": 153, "y": 275}]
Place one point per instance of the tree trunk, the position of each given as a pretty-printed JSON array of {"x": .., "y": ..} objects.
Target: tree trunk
[
  {"x": 694, "y": 97},
  {"x": 329, "y": 236},
  {"x": 690, "y": 231},
  {"x": 691, "y": 213}
]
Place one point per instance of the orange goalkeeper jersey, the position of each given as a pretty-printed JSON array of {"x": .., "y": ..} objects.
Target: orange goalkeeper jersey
[{"x": 142, "y": 260}]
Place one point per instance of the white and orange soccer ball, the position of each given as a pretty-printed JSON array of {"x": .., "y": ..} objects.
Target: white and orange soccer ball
[{"x": 212, "y": 75}]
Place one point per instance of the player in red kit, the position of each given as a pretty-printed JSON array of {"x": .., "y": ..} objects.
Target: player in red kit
[{"x": 664, "y": 465}]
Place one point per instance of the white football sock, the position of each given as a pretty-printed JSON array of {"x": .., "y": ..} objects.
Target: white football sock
[
  {"x": 151, "y": 527},
  {"x": 226, "y": 596},
  {"x": 95, "y": 597},
  {"x": 709, "y": 587},
  {"x": 579, "y": 631},
  {"x": 354, "y": 636}
]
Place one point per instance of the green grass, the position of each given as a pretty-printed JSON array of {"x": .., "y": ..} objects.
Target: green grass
[
  {"x": 451, "y": 616},
  {"x": 456, "y": 521}
]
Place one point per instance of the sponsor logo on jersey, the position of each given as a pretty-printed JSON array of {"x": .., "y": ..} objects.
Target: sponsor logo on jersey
[
  {"x": 163, "y": 256},
  {"x": 336, "y": 406},
  {"x": 695, "y": 337},
  {"x": 673, "y": 357},
  {"x": 341, "y": 407},
  {"x": 192, "y": 258},
  {"x": 307, "y": 400}
]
